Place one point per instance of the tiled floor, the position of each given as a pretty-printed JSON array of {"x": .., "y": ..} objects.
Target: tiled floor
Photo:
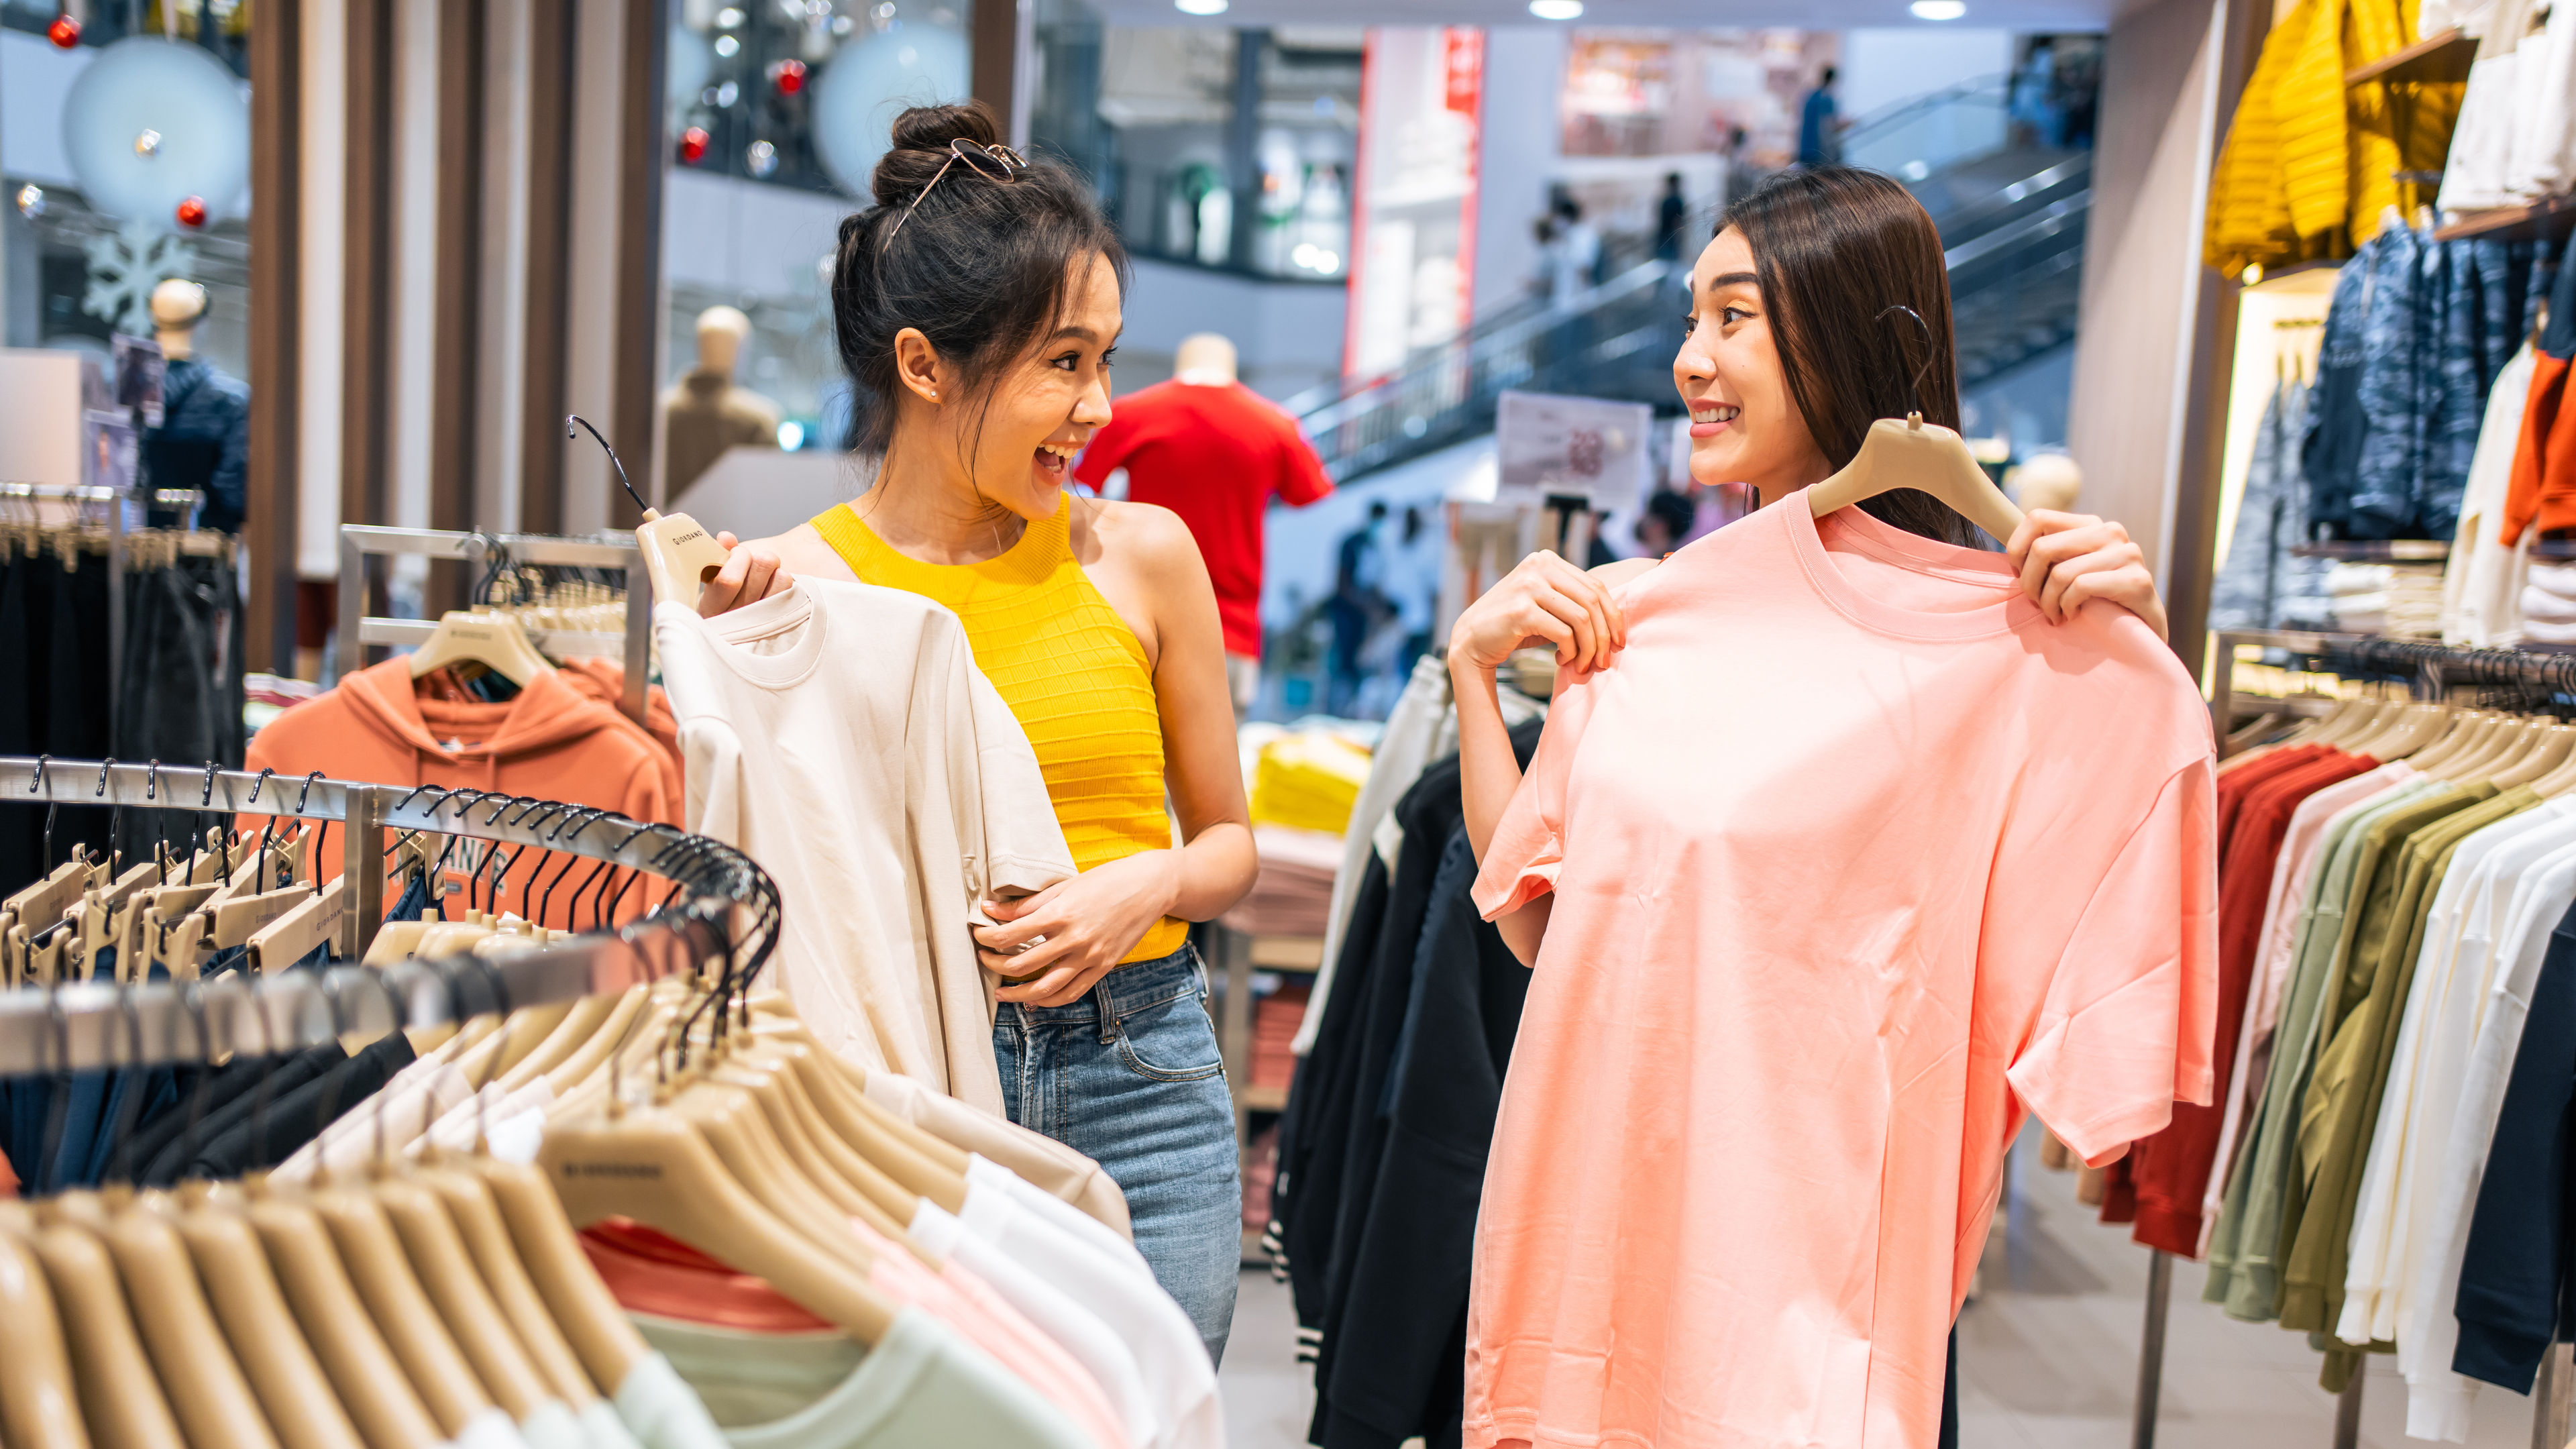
[{"x": 2048, "y": 1356}]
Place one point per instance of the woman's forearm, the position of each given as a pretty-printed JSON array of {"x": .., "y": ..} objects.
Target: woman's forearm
[
  {"x": 1488, "y": 773},
  {"x": 1213, "y": 871}
]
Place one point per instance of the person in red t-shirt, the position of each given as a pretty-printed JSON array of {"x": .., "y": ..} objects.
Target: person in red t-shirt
[{"x": 1215, "y": 452}]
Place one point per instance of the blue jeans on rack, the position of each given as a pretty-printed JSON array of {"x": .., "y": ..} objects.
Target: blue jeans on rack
[{"x": 1131, "y": 1077}]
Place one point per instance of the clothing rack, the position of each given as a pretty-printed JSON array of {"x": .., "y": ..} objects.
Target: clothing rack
[
  {"x": 97, "y": 1024},
  {"x": 77, "y": 494},
  {"x": 358, "y": 629},
  {"x": 2428, "y": 669}
]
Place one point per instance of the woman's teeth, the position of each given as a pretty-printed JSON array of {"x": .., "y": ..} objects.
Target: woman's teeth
[
  {"x": 1714, "y": 413},
  {"x": 1054, "y": 456}
]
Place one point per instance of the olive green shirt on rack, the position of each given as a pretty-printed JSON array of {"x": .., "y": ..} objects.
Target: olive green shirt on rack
[
  {"x": 2351, "y": 1077},
  {"x": 2320, "y": 923},
  {"x": 2266, "y": 1212}
]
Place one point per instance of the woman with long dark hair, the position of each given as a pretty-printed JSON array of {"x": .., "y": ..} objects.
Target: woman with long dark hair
[
  {"x": 1940, "y": 855},
  {"x": 976, "y": 306}
]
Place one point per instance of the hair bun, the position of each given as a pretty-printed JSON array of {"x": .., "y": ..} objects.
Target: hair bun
[{"x": 921, "y": 137}]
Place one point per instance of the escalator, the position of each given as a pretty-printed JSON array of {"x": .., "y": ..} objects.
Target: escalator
[{"x": 2012, "y": 220}]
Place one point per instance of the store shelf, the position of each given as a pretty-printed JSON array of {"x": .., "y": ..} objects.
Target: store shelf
[
  {"x": 2377, "y": 550},
  {"x": 2549, "y": 219},
  {"x": 2442, "y": 56},
  {"x": 1287, "y": 953},
  {"x": 1265, "y": 1099}
]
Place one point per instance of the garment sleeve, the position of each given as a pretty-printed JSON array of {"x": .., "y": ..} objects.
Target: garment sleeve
[
  {"x": 2516, "y": 1260},
  {"x": 2527, "y": 489},
  {"x": 711, "y": 759},
  {"x": 1528, "y": 848},
  {"x": 2124, "y": 1030},
  {"x": 1302, "y": 479}
]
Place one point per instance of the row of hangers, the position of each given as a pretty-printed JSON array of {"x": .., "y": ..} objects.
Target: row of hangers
[
  {"x": 2449, "y": 740},
  {"x": 389, "y": 1307}
]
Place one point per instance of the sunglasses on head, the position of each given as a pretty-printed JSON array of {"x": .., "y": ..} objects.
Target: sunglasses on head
[{"x": 993, "y": 163}]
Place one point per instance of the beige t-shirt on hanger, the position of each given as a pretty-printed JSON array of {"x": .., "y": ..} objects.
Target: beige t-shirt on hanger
[{"x": 840, "y": 735}]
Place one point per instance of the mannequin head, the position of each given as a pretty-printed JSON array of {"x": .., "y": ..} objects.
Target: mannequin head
[
  {"x": 1205, "y": 360},
  {"x": 721, "y": 333},
  {"x": 2048, "y": 480},
  {"x": 177, "y": 306}
]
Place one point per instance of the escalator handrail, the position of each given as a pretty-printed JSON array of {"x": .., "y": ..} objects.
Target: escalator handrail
[
  {"x": 2045, "y": 221},
  {"x": 1897, "y": 112}
]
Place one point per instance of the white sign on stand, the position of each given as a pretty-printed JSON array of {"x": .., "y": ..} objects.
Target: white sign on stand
[{"x": 1557, "y": 447}]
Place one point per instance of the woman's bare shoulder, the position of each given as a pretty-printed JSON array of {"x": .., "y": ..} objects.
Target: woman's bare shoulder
[
  {"x": 802, "y": 550},
  {"x": 1147, "y": 534}
]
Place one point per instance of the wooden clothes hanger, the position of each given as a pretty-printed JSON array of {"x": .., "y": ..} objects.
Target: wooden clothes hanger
[
  {"x": 302, "y": 1407},
  {"x": 495, "y": 641},
  {"x": 120, "y": 1396},
  {"x": 39, "y": 1402},
  {"x": 204, "y": 1384},
  {"x": 1919, "y": 455}
]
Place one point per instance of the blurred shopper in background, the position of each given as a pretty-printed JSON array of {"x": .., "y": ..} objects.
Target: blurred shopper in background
[
  {"x": 1359, "y": 603},
  {"x": 1665, "y": 523},
  {"x": 1820, "y": 125},
  {"x": 1671, "y": 212}
]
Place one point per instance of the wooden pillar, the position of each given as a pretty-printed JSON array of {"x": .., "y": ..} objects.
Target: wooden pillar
[
  {"x": 2237, "y": 29},
  {"x": 642, "y": 157},
  {"x": 993, "y": 50},
  {"x": 270, "y": 519},
  {"x": 457, "y": 309},
  {"x": 547, "y": 330},
  {"x": 367, "y": 286}
]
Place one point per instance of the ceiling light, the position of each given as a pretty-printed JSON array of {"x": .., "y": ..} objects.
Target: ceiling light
[
  {"x": 1938, "y": 9},
  {"x": 1200, "y": 7},
  {"x": 1557, "y": 9}
]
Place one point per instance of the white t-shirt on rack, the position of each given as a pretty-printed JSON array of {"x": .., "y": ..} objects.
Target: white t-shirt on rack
[
  {"x": 841, "y": 735},
  {"x": 1074, "y": 1254}
]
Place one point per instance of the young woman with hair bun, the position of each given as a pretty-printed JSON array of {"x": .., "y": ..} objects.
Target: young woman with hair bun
[{"x": 975, "y": 306}]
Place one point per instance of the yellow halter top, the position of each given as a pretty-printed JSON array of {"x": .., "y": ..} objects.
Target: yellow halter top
[{"x": 1069, "y": 668}]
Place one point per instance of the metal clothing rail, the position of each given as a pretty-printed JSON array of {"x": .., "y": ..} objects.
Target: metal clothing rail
[
  {"x": 79, "y": 493},
  {"x": 98, "y": 1024},
  {"x": 358, "y": 629},
  {"x": 2428, "y": 669}
]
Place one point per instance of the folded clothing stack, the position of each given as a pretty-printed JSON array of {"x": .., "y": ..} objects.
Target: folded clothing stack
[
  {"x": 2387, "y": 598},
  {"x": 1275, "y": 1020},
  {"x": 1293, "y": 894},
  {"x": 2549, "y": 604}
]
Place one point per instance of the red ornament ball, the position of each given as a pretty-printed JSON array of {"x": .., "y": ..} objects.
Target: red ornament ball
[
  {"x": 192, "y": 212},
  {"x": 790, "y": 77},
  {"x": 693, "y": 145},
  {"x": 64, "y": 32}
]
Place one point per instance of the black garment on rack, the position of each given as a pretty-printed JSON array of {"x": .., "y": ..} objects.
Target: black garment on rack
[
  {"x": 53, "y": 657},
  {"x": 179, "y": 700},
  {"x": 1335, "y": 1141},
  {"x": 298, "y": 1116},
  {"x": 1400, "y": 1336},
  {"x": 158, "y": 1132},
  {"x": 2518, "y": 1277},
  {"x": 262, "y": 1095}
]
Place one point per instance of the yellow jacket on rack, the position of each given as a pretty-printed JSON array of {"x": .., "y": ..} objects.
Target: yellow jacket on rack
[{"x": 2310, "y": 163}]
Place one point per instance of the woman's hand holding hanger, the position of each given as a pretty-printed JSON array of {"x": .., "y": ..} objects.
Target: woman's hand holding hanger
[
  {"x": 2068, "y": 558},
  {"x": 750, "y": 573}
]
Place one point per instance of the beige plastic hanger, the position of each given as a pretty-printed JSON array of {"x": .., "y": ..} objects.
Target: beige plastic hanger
[
  {"x": 1919, "y": 455},
  {"x": 369, "y": 1381},
  {"x": 120, "y": 1395},
  {"x": 293, "y": 936},
  {"x": 654, "y": 1167},
  {"x": 841, "y": 1175},
  {"x": 483, "y": 1060},
  {"x": 545, "y": 1053},
  {"x": 679, "y": 555},
  {"x": 469, "y": 1202},
  {"x": 922, "y": 1163},
  {"x": 302, "y": 1407},
  {"x": 2545, "y": 747},
  {"x": 42, "y": 904},
  {"x": 495, "y": 641},
  {"x": 2561, "y": 780},
  {"x": 401, "y": 1309},
  {"x": 593, "y": 1053},
  {"x": 456, "y": 1288},
  {"x": 598, "y": 1330},
  {"x": 39, "y": 1403},
  {"x": 732, "y": 1124},
  {"x": 203, "y": 1382}
]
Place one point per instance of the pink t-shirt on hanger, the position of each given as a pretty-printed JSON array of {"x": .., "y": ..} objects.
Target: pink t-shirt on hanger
[{"x": 1856, "y": 858}]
